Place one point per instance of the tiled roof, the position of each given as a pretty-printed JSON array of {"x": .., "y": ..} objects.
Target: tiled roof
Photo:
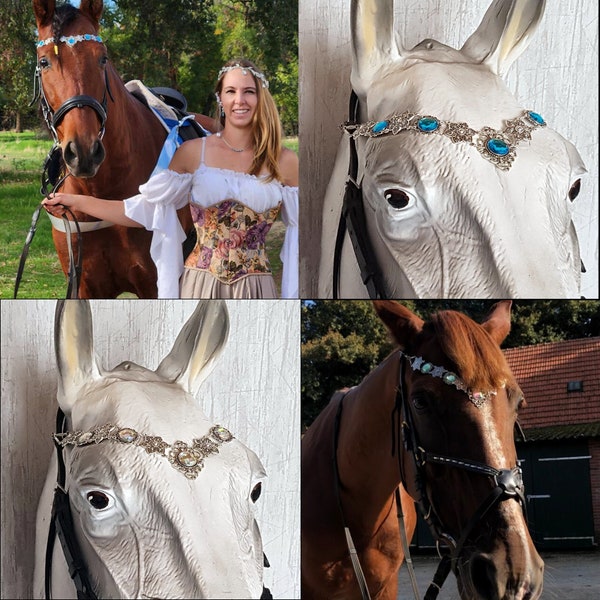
[
  {"x": 543, "y": 372},
  {"x": 563, "y": 432}
]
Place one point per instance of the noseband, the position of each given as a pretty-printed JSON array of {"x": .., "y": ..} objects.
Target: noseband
[
  {"x": 507, "y": 483},
  {"x": 184, "y": 458}
]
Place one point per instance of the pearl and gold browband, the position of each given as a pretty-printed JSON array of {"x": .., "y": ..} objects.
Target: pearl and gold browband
[
  {"x": 499, "y": 147},
  {"x": 478, "y": 398},
  {"x": 189, "y": 459}
]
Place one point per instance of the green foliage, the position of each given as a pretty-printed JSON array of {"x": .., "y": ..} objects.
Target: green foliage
[
  {"x": 176, "y": 43},
  {"x": 343, "y": 340}
]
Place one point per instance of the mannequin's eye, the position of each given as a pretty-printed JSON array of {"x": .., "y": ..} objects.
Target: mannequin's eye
[
  {"x": 98, "y": 500},
  {"x": 255, "y": 495},
  {"x": 396, "y": 198}
]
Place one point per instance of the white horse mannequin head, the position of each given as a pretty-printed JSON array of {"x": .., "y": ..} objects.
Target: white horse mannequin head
[
  {"x": 162, "y": 499},
  {"x": 446, "y": 217}
]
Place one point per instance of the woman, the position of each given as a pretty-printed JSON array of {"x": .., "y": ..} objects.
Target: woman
[{"x": 236, "y": 181}]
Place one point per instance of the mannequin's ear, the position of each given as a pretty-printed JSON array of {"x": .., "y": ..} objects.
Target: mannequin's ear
[
  {"x": 74, "y": 347},
  {"x": 504, "y": 33},
  {"x": 497, "y": 323},
  {"x": 197, "y": 346}
]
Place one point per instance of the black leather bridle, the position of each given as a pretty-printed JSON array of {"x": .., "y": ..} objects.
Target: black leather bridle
[
  {"x": 61, "y": 524},
  {"x": 352, "y": 220},
  {"x": 508, "y": 484}
]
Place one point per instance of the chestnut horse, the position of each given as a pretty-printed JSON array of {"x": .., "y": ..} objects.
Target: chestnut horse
[
  {"x": 435, "y": 418},
  {"x": 116, "y": 259}
]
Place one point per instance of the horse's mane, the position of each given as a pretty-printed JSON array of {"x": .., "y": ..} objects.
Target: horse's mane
[
  {"x": 63, "y": 15},
  {"x": 478, "y": 358}
]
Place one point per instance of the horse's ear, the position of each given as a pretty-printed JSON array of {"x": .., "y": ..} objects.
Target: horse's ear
[
  {"x": 373, "y": 42},
  {"x": 43, "y": 11},
  {"x": 402, "y": 323},
  {"x": 497, "y": 323},
  {"x": 93, "y": 9},
  {"x": 504, "y": 33},
  {"x": 197, "y": 346},
  {"x": 74, "y": 347}
]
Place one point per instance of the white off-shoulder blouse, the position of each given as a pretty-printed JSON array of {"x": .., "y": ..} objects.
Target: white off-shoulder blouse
[{"x": 155, "y": 207}]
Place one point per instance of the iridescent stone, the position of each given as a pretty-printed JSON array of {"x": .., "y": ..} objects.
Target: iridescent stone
[
  {"x": 426, "y": 368},
  {"x": 536, "y": 117},
  {"x": 428, "y": 124},
  {"x": 497, "y": 147},
  {"x": 478, "y": 396},
  {"x": 221, "y": 433},
  {"x": 187, "y": 458},
  {"x": 379, "y": 127},
  {"x": 449, "y": 377},
  {"x": 127, "y": 435},
  {"x": 84, "y": 438}
]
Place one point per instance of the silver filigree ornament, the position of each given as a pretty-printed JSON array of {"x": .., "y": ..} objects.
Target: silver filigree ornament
[
  {"x": 418, "y": 363},
  {"x": 186, "y": 458},
  {"x": 245, "y": 71},
  {"x": 499, "y": 147}
]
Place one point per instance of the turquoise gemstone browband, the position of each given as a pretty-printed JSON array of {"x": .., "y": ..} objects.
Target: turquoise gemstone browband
[
  {"x": 71, "y": 40},
  {"x": 499, "y": 147}
]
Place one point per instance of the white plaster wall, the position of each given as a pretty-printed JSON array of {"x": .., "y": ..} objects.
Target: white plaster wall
[
  {"x": 557, "y": 76},
  {"x": 254, "y": 391}
]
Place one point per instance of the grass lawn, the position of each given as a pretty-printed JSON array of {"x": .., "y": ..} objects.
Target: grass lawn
[{"x": 21, "y": 159}]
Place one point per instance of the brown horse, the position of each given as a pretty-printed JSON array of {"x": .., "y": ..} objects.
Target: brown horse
[
  {"x": 116, "y": 259},
  {"x": 438, "y": 417}
]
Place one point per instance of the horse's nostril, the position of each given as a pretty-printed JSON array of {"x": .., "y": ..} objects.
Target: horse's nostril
[{"x": 70, "y": 154}]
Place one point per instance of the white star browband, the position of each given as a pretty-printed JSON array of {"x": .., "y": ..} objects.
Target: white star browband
[
  {"x": 183, "y": 457},
  {"x": 418, "y": 363},
  {"x": 499, "y": 147},
  {"x": 245, "y": 70}
]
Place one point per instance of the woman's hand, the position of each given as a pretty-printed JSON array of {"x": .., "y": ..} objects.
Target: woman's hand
[{"x": 55, "y": 203}]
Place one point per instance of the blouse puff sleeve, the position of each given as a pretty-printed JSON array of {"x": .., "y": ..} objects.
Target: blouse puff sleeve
[
  {"x": 155, "y": 207},
  {"x": 289, "y": 250}
]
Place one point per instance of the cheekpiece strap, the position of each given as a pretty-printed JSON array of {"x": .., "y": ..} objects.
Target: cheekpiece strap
[
  {"x": 497, "y": 146},
  {"x": 478, "y": 398},
  {"x": 188, "y": 459}
]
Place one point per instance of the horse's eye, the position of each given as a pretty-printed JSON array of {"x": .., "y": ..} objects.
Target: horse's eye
[
  {"x": 255, "y": 495},
  {"x": 420, "y": 402},
  {"x": 103, "y": 60},
  {"x": 396, "y": 198},
  {"x": 98, "y": 500},
  {"x": 575, "y": 189},
  {"x": 44, "y": 62}
]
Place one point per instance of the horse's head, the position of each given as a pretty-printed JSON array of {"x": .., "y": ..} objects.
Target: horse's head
[
  {"x": 466, "y": 193},
  {"x": 72, "y": 74},
  {"x": 460, "y": 409},
  {"x": 162, "y": 499}
]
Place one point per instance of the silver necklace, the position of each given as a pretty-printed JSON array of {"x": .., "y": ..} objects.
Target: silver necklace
[{"x": 219, "y": 135}]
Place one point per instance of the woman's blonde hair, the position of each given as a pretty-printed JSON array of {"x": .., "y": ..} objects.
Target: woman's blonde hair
[{"x": 266, "y": 126}]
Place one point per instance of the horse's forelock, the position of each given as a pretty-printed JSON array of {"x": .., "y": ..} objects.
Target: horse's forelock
[
  {"x": 63, "y": 15},
  {"x": 479, "y": 361}
]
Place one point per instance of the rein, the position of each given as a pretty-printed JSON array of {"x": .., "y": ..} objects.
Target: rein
[
  {"x": 352, "y": 220},
  {"x": 508, "y": 484}
]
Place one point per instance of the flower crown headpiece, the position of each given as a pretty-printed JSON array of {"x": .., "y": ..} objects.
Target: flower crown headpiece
[
  {"x": 499, "y": 147},
  {"x": 257, "y": 74}
]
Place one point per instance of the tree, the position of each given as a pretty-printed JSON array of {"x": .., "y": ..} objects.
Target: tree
[
  {"x": 343, "y": 340},
  {"x": 17, "y": 62}
]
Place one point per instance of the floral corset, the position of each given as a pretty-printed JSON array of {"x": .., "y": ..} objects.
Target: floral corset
[{"x": 231, "y": 240}]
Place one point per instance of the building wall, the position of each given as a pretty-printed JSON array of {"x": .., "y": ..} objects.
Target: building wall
[
  {"x": 594, "y": 447},
  {"x": 254, "y": 391}
]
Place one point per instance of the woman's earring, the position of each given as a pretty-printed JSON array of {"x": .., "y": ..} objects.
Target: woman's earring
[{"x": 220, "y": 105}]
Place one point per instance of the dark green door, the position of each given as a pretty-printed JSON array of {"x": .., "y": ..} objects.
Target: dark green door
[{"x": 559, "y": 497}]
